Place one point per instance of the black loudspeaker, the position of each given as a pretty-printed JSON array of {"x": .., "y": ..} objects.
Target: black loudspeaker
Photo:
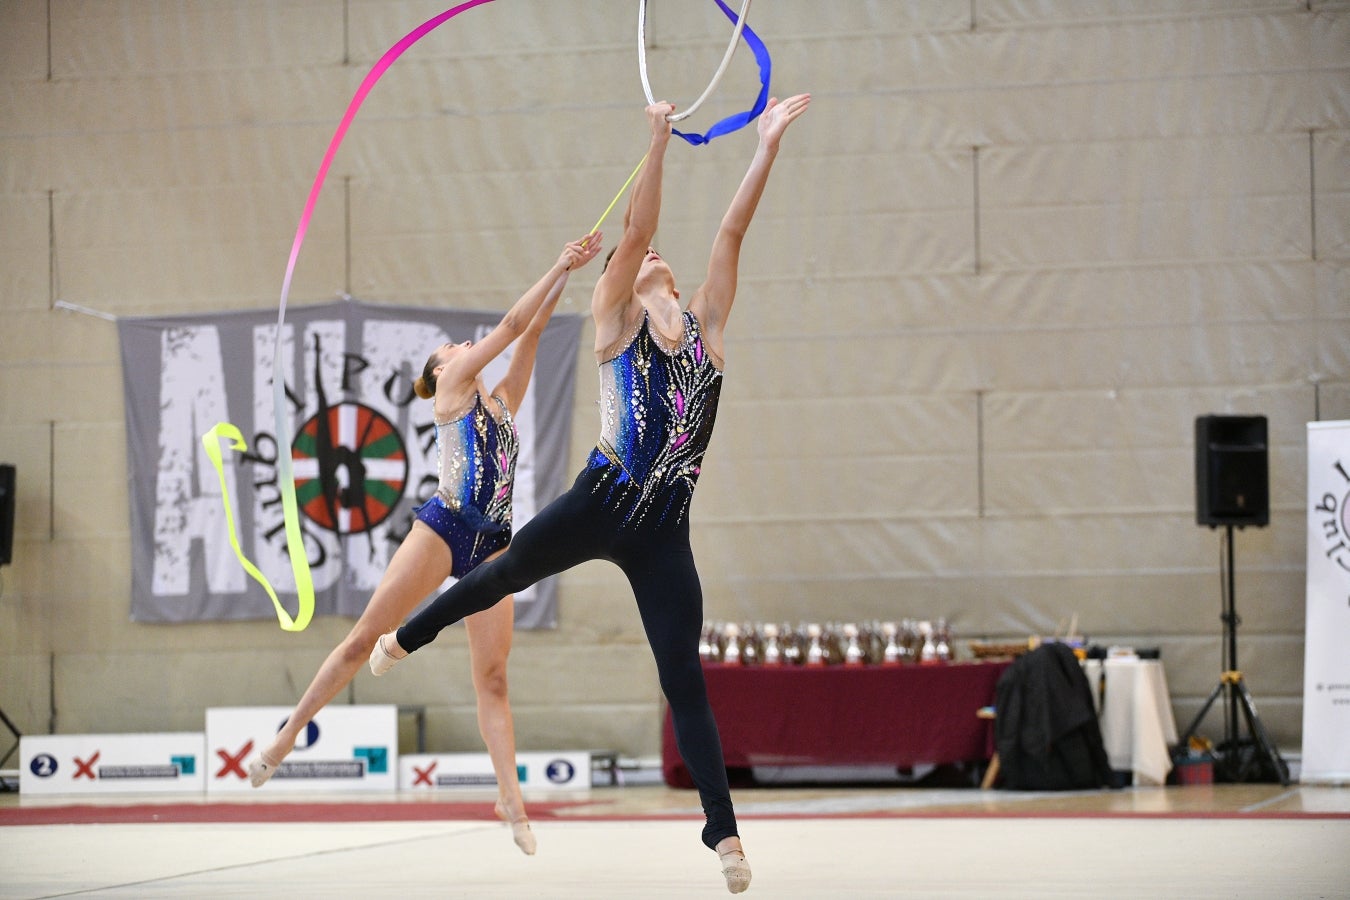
[
  {"x": 6, "y": 513},
  {"x": 1232, "y": 479}
]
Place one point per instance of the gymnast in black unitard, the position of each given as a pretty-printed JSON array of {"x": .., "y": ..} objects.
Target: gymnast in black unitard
[{"x": 660, "y": 377}]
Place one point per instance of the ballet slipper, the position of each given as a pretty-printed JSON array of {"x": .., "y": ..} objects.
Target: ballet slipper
[
  {"x": 381, "y": 660},
  {"x": 520, "y": 830},
  {"x": 735, "y": 869},
  {"x": 261, "y": 769}
]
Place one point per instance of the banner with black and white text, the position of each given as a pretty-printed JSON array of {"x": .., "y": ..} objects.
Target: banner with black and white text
[
  {"x": 1326, "y": 666},
  {"x": 350, "y": 367}
]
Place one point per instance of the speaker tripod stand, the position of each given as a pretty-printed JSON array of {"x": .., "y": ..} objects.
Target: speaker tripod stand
[
  {"x": 9, "y": 779},
  {"x": 1239, "y": 758}
]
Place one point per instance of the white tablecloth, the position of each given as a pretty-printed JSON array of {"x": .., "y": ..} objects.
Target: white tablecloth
[{"x": 1138, "y": 726}]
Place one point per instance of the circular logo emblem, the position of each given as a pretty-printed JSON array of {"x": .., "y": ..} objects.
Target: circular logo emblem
[
  {"x": 305, "y": 739},
  {"x": 43, "y": 765},
  {"x": 560, "y": 771},
  {"x": 350, "y": 468}
]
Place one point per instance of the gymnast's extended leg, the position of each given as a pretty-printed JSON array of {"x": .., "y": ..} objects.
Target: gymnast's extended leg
[
  {"x": 670, "y": 601},
  {"x": 565, "y": 533}
]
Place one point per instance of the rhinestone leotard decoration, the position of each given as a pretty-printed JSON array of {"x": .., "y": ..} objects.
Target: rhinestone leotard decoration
[
  {"x": 658, "y": 405},
  {"x": 477, "y": 462}
]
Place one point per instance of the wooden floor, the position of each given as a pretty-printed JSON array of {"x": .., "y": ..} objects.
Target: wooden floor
[{"x": 1220, "y": 841}]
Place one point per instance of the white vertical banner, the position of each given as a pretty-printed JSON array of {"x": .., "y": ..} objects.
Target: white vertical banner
[{"x": 1326, "y": 665}]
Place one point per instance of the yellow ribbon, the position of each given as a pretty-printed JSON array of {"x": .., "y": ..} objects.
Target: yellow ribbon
[{"x": 295, "y": 544}]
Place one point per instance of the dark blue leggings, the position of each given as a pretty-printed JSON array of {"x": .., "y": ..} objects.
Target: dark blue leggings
[{"x": 578, "y": 527}]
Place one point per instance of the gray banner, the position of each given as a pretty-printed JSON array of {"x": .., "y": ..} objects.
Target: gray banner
[{"x": 349, "y": 368}]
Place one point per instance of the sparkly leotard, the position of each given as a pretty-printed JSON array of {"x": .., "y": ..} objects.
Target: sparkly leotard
[
  {"x": 476, "y": 462},
  {"x": 629, "y": 505},
  {"x": 658, "y": 405}
]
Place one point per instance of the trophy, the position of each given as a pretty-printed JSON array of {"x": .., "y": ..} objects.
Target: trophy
[
  {"x": 876, "y": 643},
  {"x": 928, "y": 651},
  {"x": 715, "y": 642},
  {"x": 854, "y": 655},
  {"x": 750, "y": 650},
  {"x": 816, "y": 655},
  {"x": 792, "y": 650},
  {"x": 942, "y": 637},
  {"x": 911, "y": 640},
  {"x": 731, "y": 653},
  {"x": 893, "y": 655},
  {"x": 834, "y": 643},
  {"x": 773, "y": 654}
]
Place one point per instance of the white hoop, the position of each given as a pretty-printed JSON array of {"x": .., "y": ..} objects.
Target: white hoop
[{"x": 717, "y": 76}]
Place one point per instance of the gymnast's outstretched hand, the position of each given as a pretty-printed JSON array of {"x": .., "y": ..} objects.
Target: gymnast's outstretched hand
[
  {"x": 581, "y": 251},
  {"x": 778, "y": 116},
  {"x": 658, "y": 116}
]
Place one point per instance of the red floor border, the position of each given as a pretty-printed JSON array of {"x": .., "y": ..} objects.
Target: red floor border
[
  {"x": 215, "y": 813},
  {"x": 152, "y": 813}
]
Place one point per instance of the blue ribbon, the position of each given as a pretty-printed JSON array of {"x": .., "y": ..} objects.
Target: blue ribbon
[{"x": 739, "y": 120}]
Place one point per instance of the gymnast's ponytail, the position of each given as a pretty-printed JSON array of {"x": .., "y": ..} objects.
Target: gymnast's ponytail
[{"x": 425, "y": 385}]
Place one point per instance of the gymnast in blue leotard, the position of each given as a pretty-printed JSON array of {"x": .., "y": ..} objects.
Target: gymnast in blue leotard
[
  {"x": 465, "y": 522},
  {"x": 660, "y": 379},
  {"x": 476, "y": 464}
]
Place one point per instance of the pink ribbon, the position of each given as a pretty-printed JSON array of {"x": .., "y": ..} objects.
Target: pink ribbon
[
  {"x": 392, "y": 54},
  {"x": 295, "y": 548}
]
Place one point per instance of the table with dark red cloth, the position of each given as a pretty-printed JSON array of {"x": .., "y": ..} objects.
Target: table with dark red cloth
[{"x": 903, "y": 716}]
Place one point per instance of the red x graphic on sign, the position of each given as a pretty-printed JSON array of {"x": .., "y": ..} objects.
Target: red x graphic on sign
[
  {"x": 232, "y": 762},
  {"x": 87, "y": 768},
  {"x": 423, "y": 776}
]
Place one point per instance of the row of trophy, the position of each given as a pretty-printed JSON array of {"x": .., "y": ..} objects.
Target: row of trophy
[{"x": 811, "y": 644}]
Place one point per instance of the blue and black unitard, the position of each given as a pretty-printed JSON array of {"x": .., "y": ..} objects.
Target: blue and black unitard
[
  {"x": 630, "y": 505},
  {"x": 476, "y": 466}
]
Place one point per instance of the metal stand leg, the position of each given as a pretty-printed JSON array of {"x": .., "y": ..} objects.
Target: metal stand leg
[
  {"x": 1258, "y": 731},
  {"x": 1195, "y": 723},
  {"x": 1236, "y": 764},
  {"x": 5, "y": 784}
]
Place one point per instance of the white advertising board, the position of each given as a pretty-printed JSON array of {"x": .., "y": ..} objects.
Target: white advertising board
[
  {"x": 538, "y": 771},
  {"x": 112, "y": 763},
  {"x": 344, "y": 748}
]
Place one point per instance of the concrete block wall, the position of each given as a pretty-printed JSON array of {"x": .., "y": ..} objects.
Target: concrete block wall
[{"x": 1011, "y": 253}]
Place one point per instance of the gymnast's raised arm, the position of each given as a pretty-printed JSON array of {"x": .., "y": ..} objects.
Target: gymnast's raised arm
[
  {"x": 712, "y": 302},
  {"x": 517, "y": 378},
  {"x": 614, "y": 290}
]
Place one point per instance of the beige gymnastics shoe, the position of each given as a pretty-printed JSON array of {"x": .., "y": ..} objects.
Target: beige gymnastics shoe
[
  {"x": 381, "y": 660},
  {"x": 520, "y": 830},
  {"x": 735, "y": 870},
  {"x": 261, "y": 769}
]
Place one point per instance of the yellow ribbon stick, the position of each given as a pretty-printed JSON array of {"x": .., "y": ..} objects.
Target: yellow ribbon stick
[
  {"x": 295, "y": 546},
  {"x": 604, "y": 214}
]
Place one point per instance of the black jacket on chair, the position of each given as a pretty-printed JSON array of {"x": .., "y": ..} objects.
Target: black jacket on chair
[{"x": 1045, "y": 725}]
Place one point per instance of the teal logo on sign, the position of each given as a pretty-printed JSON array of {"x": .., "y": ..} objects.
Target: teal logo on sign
[{"x": 377, "y": 758}]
